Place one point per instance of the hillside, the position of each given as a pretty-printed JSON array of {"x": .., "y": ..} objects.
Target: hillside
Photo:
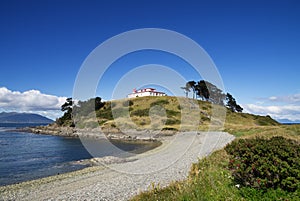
[
  {"x": 14, "y": 117},
  {"x": 166, "y": 113}
]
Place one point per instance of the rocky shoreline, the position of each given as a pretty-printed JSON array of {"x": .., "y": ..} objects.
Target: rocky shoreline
[{"x": 109, "y": 133}]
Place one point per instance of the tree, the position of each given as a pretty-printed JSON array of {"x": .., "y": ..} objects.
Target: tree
[
  {"x": 238, "y": 108},
  {"x": 66, "y": 119},
  {"x": 98, "y": 103},
  {"x": 84, "y": 108},
  {"x": 67, "y": 106},
  {"x": 202, "y": 90},
  {"x": 192, "y": 85},
  {"x": 80, "y": 109},
  {"x": 186, "y": 91},
  {"x": 216, "y": 95},
  {"x": 231, "y": 104}
]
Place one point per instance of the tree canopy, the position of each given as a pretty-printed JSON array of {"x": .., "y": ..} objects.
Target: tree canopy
[
  {"x": 231, "y": 104},
  {"x": 83, "y": 108},
  {"x": 67, "y": 107},
  {"x": 80, "y": 108},
  {"x": 209, "y": 92}
]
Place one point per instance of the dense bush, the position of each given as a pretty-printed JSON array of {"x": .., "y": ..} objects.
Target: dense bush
[
  {"x": 171, "y": 121},
  {"x": 127, "y": 103},
  {"x": 140, "y": 112},
  {"x": 172, "y": 113},
  {"x": 84, "y": 108},
  {"x": 265, "y": 163},
  {"x": 159, "y": 102},
  {"x": 204, "y": 118},
  {"x": 169, "y": 129},
  {"x": 105, "y": 112}
]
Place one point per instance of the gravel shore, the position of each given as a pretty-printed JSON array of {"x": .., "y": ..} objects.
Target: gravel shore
[{"x": 119, "y": 181}]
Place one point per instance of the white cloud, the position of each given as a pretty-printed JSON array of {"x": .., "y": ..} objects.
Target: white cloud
[
  {"x": 294, "y": 98},
  {"x": 290, "y": 112},
  {"x": 273, "y": 98},
  {"x": 278, "y": 107},
  {"x": 31, "y": 101}
]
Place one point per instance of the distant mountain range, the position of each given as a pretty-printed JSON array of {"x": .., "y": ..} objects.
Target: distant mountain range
[{"x": 14, "y": 117}]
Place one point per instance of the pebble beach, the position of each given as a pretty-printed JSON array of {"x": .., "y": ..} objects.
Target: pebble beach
[{"x": 114, "y": 179}]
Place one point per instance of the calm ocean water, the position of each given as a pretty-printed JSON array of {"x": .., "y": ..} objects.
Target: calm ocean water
[{"x": 27, "y": 156}]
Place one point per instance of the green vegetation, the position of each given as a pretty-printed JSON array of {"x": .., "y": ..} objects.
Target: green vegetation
[
  {"x": 209, "y": 92},
  {"x": 167, "y": 111},
  {"x": 265, "y": 163},
  {"x": 160, "y": 102},
  {"x": 219, "y": 177},
  {"x": 140, "y": 112},
  {"x": 208, "y": 180},
  {"x": 66, "y": 119},
  {"x": 105, "y": 113},
  {"x": 82, "y": 108},
  {"x": 231, "y": 104}
]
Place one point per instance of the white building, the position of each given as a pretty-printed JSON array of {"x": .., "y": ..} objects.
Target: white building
[{"x": 145, "y": 92}]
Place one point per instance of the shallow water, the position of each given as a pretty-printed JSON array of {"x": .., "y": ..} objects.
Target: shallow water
[{"x": 27, "y": 156}]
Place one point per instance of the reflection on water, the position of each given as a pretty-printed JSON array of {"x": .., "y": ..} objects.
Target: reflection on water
[{"x": 27, "y": 156}]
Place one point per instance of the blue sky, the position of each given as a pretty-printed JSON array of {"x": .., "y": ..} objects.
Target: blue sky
[{"x": 254, "y": 44}]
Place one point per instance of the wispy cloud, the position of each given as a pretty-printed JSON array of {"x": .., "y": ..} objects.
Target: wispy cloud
[
  {"x": 278, "y": 107},
  {"x": 295, "y": 98},
  {"x": 31, "y": 101}
]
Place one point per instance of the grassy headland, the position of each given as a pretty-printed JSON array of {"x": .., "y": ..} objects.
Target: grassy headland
[{"x": 136, "y": 114}]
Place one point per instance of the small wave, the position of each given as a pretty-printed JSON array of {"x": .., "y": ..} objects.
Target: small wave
[{"x": 3, "y": 129}]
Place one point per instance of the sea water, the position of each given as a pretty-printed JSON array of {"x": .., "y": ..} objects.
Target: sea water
[{"x": 27, "y": 156}]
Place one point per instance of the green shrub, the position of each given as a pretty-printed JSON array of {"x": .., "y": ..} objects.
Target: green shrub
[
  {"x": 105, "y": 113},
  {"x": 127, "y": 103},
  {"x": 171, "y": 113},
  {"x": 265, "y": 164},
  {"x": 204, "y": 108},
  {"x": 204, "y": 118},
  {"x": 142, "y": 123},
  {"x": 159, "y": 102},
  {"x": 169, "y": 129},
  {"x": 171, "y": 121},
  {"x": 140, "y": 112},
  {"x": 101, "y": 122},
  {"x": 271, "y": 194}
]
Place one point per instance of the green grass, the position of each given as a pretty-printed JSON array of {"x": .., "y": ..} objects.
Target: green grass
[
  {"x": 210, "y": 178},
  {"x": 174, "y": 108}
]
